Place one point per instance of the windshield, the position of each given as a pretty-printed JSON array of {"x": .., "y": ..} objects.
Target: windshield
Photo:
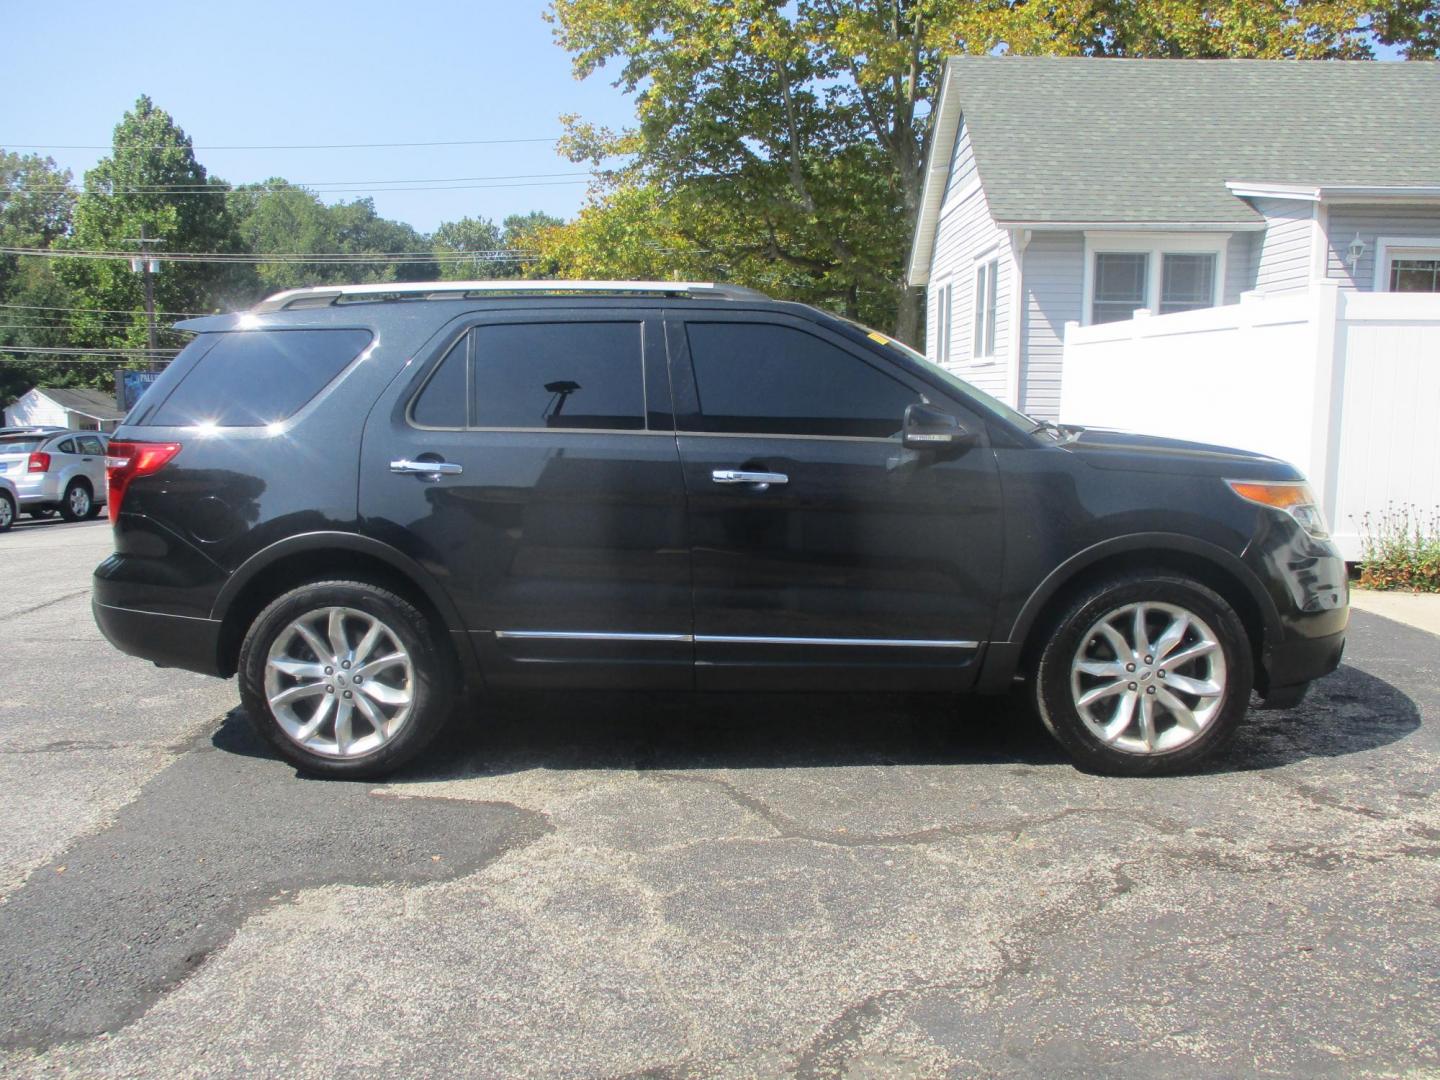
[
  {"x": 973, "y": 393},
  {"x": 22, "y": 445}
]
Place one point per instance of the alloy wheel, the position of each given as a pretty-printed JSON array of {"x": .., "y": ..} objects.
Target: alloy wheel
[
  {"x": 340, "y": 682},
  {"x": 1148, "y": 678},
  {"x": 79, "y": 501}
]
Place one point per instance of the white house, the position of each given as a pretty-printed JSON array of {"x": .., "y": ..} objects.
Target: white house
[
  {"x": 89, "y": 410},
  {"x": 1195, "y": 248}
]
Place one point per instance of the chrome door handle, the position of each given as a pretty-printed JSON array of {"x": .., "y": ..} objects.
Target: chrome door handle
[
  {"x": 434, "y": 469},
  {"x": 740, "y": 476}
]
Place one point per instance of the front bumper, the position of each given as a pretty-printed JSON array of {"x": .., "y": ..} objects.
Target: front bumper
[{"x": 167, "y": 640}]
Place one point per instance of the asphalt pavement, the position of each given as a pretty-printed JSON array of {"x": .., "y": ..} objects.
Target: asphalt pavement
[{"x": 617, "y": 885}]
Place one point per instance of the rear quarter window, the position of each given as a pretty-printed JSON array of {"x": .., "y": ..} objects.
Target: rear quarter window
[{"x": 250, "y": 378}]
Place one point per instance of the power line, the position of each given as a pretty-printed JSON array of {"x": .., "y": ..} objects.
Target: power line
[
  {"x": 106, "y": 311},
  {"x": 287, "y": 258},
  {"x": 327, "y": 190},
  {"x": 280, "y": 146},
  {"x": 330, "y": 186},
  {"x": 69, "y": 350},
  {"x": 291, "y": 184}
]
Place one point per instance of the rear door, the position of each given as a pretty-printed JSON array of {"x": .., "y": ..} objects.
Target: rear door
[
  {"x": 530, "y": 463},
  {"x": 824, "y": 553},
  {"x": 91, "y": 449}
]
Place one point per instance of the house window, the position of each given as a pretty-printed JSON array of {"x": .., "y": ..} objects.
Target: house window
[
  {"x": 1187, "y": 282},
  {"x": 1415, "y": 275},
  {"x": 1162, "y": 273},
  {"x": 1121, "y": 284},
  {"x": 986, "y": 279},
  {"x": 944, "y": 300}
]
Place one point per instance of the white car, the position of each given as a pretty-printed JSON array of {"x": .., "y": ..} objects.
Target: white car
[
  {"x": 56, "y": 470},
  {"x": 9, "y": 504}
]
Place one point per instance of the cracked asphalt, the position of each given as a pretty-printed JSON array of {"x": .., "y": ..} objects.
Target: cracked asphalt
[{"x": 615, "y": 885}]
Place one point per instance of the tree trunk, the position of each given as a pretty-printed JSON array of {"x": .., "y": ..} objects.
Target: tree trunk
[{"x": 910, "y": 318}]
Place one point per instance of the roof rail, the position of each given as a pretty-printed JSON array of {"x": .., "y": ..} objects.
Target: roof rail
[{"x": 325, "y": 295}]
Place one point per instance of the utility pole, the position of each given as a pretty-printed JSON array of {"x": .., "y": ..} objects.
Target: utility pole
[{"x": 147, "y": 267}]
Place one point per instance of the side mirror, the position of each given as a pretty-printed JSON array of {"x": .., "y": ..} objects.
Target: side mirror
[{"x": 928, "y": 428}]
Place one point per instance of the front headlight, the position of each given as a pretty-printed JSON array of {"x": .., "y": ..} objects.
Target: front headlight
[{"x": 1292, "y": 497}]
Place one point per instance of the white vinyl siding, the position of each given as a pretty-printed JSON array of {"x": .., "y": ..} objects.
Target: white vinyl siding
[
  {"x": 967, "y": 237},
  {"x": 1285, "y": 247},
  {"x": 1054, "y": 294},
  {"x": 1240, "y": 258},
  {"x": 1372, "y": 222}
]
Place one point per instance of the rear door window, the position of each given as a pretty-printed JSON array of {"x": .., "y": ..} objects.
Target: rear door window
[
  {"x": 66, "y": 446},
  {"x": 768, "y": 379},
  {"x": 251, "y": 378},
  {"x": 558, "y": 375},
  {"x": 89, "y": 444}
]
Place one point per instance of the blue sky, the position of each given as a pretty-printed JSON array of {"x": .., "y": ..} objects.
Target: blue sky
[{"x": 299, "y": 72}]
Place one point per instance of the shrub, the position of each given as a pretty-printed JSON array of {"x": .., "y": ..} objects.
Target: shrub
[{"x": 1401, "y": 549}]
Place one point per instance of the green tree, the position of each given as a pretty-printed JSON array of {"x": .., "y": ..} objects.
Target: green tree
[
  {"x": 796, "y": 132},
  {"x": 478, "y": 237},
  {"x": 37, "y": 204},
  {"x": 150, "y": 181},
  {"x": 503, "y": 251},
  {"x": 280, "y": 218}
]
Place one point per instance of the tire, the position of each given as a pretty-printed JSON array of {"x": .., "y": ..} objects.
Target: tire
[
  {"x": 8, "y": 511},
  {"x": 78, "y": 503},
  {"x": 278, "y": 658},
  {"x": 1169, "y": 727}
]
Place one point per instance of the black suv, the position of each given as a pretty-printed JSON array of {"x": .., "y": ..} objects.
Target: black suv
[{"x": 368, "y": 500}]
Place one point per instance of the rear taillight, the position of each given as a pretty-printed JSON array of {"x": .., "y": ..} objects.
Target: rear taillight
[
  {"x": 39, "y": 462},
  {"x": 126, "y": 460}
]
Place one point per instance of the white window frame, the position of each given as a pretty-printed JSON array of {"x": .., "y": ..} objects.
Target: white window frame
[
  {"x": 944, "y": 319},
  {"x": 1156, "y": 245},
  {"x": 988, "y": 266},
  {"x": 1389, "y": 248}
]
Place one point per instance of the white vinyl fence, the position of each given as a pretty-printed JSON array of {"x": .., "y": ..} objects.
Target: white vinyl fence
[{"x": 1343, "y": 385}]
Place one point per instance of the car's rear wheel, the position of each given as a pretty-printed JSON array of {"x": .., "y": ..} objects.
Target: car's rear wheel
[
  {"x": 8, "y": 511},
  {"x": 78, "y": 501},
  {"x": 1146, "y": 672},
  {"x": 345, "y": 679}
]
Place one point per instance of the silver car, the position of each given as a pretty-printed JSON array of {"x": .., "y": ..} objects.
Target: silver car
[{"x": 56, "y": 470}]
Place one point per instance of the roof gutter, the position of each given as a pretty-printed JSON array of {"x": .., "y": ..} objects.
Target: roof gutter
[
  {"x": 1249, "y": 225},
  {"x": 944, "y": 130},
  {"x": 1336, "y": 193}
]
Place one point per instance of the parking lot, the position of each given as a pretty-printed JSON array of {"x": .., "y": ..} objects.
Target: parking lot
[{"x": 612, "y": 885}]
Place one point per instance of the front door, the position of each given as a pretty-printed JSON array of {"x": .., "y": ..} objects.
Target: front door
[
  {"x": 531, "y": 466},
  {"x": 825, "y": 555}
]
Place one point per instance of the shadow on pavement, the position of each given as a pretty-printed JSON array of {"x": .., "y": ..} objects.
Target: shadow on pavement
[{"x": 1349, "y": 712}]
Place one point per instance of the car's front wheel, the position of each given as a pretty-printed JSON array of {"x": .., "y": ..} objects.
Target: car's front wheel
[
  {"x": 345, "y": 679},
  {"x": 1145, "y": 672}
]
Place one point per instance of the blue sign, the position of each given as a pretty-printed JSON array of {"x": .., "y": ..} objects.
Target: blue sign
[{"x": 130, "y": 386}]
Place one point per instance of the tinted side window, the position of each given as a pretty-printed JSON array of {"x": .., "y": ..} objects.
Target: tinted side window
[
  {"x": 765, "y": 379},
  {"x": 557, "y": 375},
  {"x": 66, "y": 446},
  {"x": 256, "y": 377},
  {"x": 89, "y": 444},
  {"x": 441, "y": 401}
]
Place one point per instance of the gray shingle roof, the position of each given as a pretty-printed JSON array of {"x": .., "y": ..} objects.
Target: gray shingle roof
[
  {"x": 1080, "y": 139},
  {"x": 95, "y": 404}
]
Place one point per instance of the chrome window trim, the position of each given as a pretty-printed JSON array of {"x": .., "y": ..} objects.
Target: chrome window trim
[{"x": 730, "y": 639}]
